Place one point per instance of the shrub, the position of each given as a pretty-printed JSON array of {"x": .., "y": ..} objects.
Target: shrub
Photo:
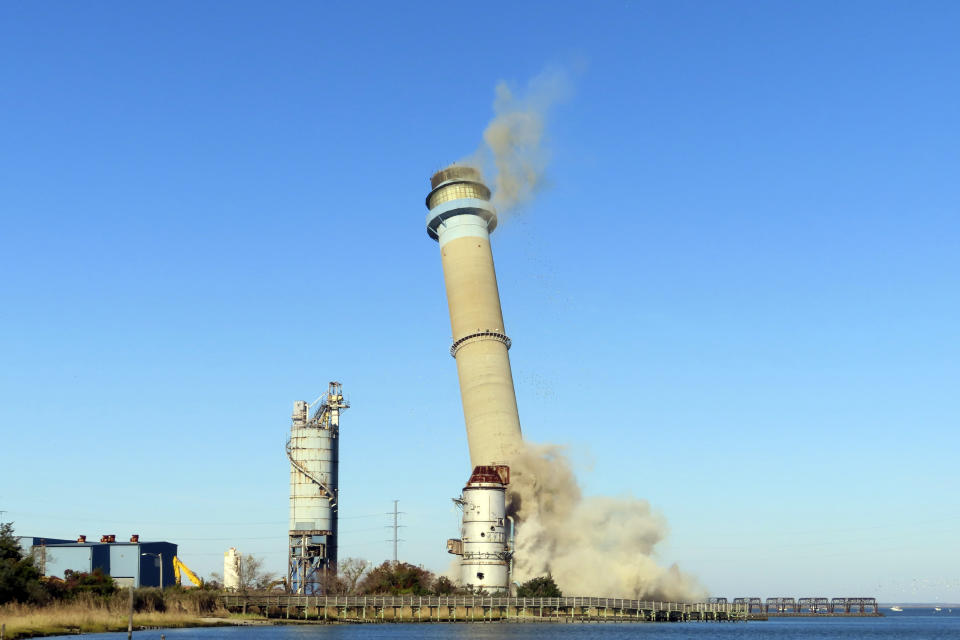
[
  {"x": 95, "y": 583},
  {"x": 542, "y": 587},
  {"x": 19, "y": 578},
  {"x": 397, "y": 579},
  {"x": 444, "y": 586}
]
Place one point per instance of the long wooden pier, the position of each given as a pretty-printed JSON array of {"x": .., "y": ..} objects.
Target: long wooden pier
[
  {"x": 477, "y": 609},
  {"x": 807, "y": 607}
]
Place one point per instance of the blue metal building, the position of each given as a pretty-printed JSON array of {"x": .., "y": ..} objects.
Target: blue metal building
[
  {"x": 128, "y": 563},
  {"x": 29, "y": 542}
]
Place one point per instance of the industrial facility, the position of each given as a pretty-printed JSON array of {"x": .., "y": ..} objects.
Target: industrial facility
[
  {"x": 461, "y": 219},
  {"x": 131, "y": 563},
  {"x": 314, "y": 451}
]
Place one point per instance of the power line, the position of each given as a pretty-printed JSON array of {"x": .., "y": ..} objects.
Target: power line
[
  {"x": 216, "y": 538},
  {"x": 249, "y": 553},
  {"x": 59, "y": 517}
]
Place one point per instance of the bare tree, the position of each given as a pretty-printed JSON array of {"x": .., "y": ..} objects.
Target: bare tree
[
  {"x": 252, "y": 575},
  {"x": 332, "y": 584},
  {"x": 215, "y": 581},
  {"x": 351, "y": 572}
]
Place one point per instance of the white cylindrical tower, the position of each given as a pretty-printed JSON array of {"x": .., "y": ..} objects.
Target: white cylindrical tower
[
  {"x": 313, "y": 451},
  {"x": 484, "y": 544},
  {"x": 231, "y": 569}
]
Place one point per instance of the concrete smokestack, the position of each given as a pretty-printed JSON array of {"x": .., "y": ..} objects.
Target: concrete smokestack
[{"x": 461, "y": 219}]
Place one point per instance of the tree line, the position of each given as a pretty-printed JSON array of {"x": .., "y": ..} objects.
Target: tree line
[
  {"x": 357, "y": 577},
  {"x": 22, "y": 581}
]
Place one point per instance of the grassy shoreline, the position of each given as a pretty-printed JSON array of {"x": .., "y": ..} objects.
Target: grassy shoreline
[
  {"x": 91, "y": 614},
  {"x": 32, "y": 622}
]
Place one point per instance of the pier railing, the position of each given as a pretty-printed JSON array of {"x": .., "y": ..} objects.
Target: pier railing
[
  {"x": 477, "y": 607},
  {"x": 460, "y": 608},
  {"x": 472, "y": 601}
]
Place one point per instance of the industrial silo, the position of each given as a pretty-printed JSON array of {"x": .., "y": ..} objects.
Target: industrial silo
[{"x": 313, "y": 451}]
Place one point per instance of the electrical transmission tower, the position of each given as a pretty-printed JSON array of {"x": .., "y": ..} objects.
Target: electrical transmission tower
[{"x": 396, "y": 530}]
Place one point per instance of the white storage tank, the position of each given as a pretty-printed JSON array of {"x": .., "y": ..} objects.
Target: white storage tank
[
  {"x": 484, "y": 545},
  {"x": 231, "y": 569}
]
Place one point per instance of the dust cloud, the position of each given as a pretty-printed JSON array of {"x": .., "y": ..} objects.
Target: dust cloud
[
  {"x": 513, "y": 155},
  {"x": 592, "y": 546}
]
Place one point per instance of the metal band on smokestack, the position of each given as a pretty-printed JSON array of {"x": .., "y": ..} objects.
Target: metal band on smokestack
[{"x": 460, "y": 220}]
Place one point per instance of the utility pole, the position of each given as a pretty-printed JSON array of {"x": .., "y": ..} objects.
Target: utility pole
[{"x": 130, "y": 618}]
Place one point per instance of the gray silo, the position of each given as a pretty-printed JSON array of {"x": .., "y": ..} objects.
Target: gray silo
[{"x": 313, "y": 451}]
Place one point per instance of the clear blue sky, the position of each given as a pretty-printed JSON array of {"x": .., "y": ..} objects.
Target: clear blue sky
[{"x": 738, "y": 297}]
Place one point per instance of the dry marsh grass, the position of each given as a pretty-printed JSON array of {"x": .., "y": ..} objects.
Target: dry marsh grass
[{"x": 94, "y": 614}]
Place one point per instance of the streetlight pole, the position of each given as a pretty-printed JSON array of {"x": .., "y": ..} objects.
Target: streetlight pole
[{"x": 160, "y": 557}]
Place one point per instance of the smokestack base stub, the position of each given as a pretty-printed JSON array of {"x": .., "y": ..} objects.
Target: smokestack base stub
[{"x": 495, "y": 474}]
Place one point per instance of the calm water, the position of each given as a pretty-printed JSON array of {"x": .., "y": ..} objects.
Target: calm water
[{"x": 926, "y": 626}]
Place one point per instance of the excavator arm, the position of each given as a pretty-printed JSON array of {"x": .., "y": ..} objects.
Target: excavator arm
[
  {"x": 281, "y": 581},
  {"x": 179, "y": 567}
]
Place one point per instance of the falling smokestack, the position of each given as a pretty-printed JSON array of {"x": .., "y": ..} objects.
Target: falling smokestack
[
  {"x": 461, "y": 219},
  {"x": 596, "y": 544}
]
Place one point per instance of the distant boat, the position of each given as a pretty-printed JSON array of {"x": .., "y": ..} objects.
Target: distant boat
[
  {"x": 896, "y": 608},
  {"x": 937, "y": 609}
]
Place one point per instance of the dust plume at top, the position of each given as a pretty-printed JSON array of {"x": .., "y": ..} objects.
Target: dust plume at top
[{"x": 514, "y": 155}]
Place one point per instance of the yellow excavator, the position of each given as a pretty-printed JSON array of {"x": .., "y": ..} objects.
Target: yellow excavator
[
  {"x": 179, "y": 567},
  {"x": 276, "y": 583}
]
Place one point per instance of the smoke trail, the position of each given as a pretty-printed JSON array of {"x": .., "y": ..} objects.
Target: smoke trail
[
  {"x": 513, "y": 151},
  {"x": 594, "y": 546}
]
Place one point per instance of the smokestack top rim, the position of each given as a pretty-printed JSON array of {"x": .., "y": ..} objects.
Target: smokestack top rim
[
  {"x": 480, "y": 206},
  {"x": 456, "y": 173},
  {"x": 447, "y": 183}
]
